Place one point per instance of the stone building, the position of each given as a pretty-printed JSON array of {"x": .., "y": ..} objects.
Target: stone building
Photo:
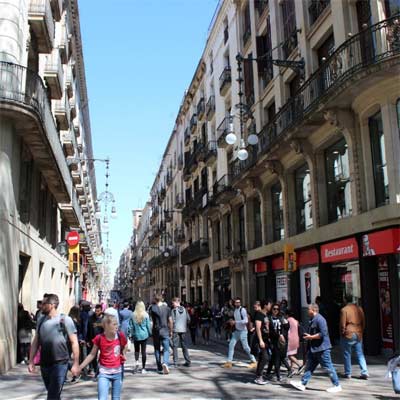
[{"x": 48, "y": 187}]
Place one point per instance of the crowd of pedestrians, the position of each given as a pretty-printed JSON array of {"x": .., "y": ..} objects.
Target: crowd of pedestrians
[{"x": 93, "y": 342}]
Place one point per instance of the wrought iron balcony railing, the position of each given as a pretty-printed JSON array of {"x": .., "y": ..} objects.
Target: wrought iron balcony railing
[
  {"x": 195, "y": 251},
  {"x": 316, "y": 8},
  {"x": 222, "y": 131},
  {"x": 201, "y": 108},
  {"x": 210, "y": 107},
  {"x": 193, "y": 123},
  {"x": 225, "y": 80}
]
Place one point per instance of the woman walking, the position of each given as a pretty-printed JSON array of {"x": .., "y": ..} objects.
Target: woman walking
[
  {"x": 139, "y": 331},
  {"x": 293, "y": 341},
  {"x": 112, "y": 346}
]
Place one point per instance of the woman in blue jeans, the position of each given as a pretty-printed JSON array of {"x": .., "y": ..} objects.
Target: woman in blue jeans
[{"x": 112, "y": 346}]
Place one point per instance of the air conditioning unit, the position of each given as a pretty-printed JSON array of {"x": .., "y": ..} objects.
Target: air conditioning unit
[{"x": 205, "y": 199}]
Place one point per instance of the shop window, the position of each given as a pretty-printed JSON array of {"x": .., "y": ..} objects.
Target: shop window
[
  {"x": 345, "y": 279},
  {"x": 338, "y": 181},
  {"x": 304, "y": 217},
  {"x": 242, "y": 236},
  {"x": 277, "y": 212},
  {"x": 381, "y": 180},
  {"x": 257, "y": 223}
]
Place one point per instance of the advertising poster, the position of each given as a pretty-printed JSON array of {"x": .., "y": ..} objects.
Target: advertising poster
[
  {"x": 309, "y": 284},
  {"x": 281, "y": 287},
  {"x": 385, "y": 304}
]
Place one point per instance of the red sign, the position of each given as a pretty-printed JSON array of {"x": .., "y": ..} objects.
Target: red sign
[
  {"x": 307, "y": 257},
  {"x": 277, "y": 263},
  {"x": 382, "y": 242},
  {"x": 73, "y": 238},
  {"x": 260, "y": 266},
  {"x": 346, "y": 249}
]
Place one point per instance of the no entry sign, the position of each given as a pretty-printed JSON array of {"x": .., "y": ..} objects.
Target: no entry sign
[{"x": 73, "y": 238}]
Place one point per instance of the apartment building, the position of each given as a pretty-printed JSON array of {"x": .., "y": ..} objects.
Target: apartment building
[
  {"x": 48, "y": 186},
  {"x": 314, "y": 208}
]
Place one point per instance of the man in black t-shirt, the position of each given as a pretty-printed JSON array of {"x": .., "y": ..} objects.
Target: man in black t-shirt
[{"x": 262, "y": 333}]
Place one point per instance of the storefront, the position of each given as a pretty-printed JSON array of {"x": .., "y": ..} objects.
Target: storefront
[
  {"x": 380, "y": 261},
  {"x": 222, "y": 286},
  {"x": 260, "y": 271},
  {"x": 339, "y": 275}
]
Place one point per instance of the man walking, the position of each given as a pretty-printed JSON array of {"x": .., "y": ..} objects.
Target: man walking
[
  {"x": 240, "y": 333},
  {"x": 352, "y": 324},
  {"x": 319, "y": 351},
  {"x": 180, "y": 319},
  {"x": 162, "y": 331},
  {"x": 52, "y": 333},
  {"x": 125, "y": 316}
]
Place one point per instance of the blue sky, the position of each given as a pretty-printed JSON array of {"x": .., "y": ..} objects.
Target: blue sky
[{"x": 140, "y": 56}]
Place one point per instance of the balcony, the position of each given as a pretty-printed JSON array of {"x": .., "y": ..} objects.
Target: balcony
[
  {"x": 188, "y": 210},
  {"x": 186, "y": 136},
  {"x": 76, "y": 177},
  {"x": 67, "y": 143},
  {"x": 316, "y": 8},
  {"x": 162, "y": 193},
  {"x": 53, "y": 74},
  {"x": 72, "y": 107},
  {"x": 179, "y": 235},
  {"x": 180, "y": 162},
  {"x": 211, "y": 153},
  {"x": 61, "y": 113},
  {"x": 222, "y": 132},
  {"x": 56, "y": 8},
  {"x": 223, "y": 192},
  {"x": 69, "y": 81},
  {"x": 169, "y": 177},
  {"x": 163, "y": 226},
  {"x": 168, "y": 216},
  {"x": 195, "y": 251},
  {"x": 179, "y": 203},
  {"x": 193, "y": 123},
  {"x": 210, "y": 108},
  {"x": 201, "y": 109},
  {"x": 76, "y": 127},
  {"x": 62, "y": 42},
  {"x": 347, "y": 70},
  {"x": 225, "y": 81},
  {"x": 40, "y": 18}
]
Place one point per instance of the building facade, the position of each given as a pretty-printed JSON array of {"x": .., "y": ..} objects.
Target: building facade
[
  {"x": 314, "y": 209},
  {"x": 48, "y": 186}
]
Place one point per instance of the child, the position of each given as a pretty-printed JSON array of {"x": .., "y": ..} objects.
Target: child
[{"x": 112, "y": 346}]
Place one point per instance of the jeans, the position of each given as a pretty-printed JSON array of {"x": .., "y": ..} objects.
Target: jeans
[
  {"x": 178, "y": 339},
  {"x": 54, "y": 378},
  {"x": 396, "y": 380},
  {"x": 348, "y": 345},
  {"x": 263, "y": 357},
  {"x": 103, "y": 386},
  {"x": 242, "y": 336},
  {"x": 158, "y": 341},
  {"x": 323, "y": 358}
]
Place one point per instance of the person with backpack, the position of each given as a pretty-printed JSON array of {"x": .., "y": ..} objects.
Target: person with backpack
[
  {"x": 160, "y": 314},
  {"x": 239, "y": 323},
  {"x": 112, "y": 345},
  {"x": 139, "y": 331},
  {"x": 180, "y": 319},
  {"x": 53, "y": 332}
]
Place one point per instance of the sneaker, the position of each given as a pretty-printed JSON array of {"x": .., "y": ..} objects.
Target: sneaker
[
  {"x": 165, "y": 369},
  {"x": 144, "y": 371},
  {"x": 364, "y": 377},
  {"x": 75, "y": 379},
  {"x": 347, "y": 376},
  {"x": 252, "y": 365},
  {"x": 228, "y": 364},
  {"x": 187, "y": 364},
  {"x": 301, "y": 369},
  {"x": 260, "y": 381},
  {"x": 334, "y": 389},
  {"x": 298, "y": 385}
]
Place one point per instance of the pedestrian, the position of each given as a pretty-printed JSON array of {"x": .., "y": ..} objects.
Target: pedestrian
[
  {"x": 319, "y": 351},
  {"x": 181, "y": 320},
  {"x": 38, "y": 311},
  {"x": 352, "y": 324},
  {"x": 74, "y": 314},
  {"x": 240, "y": 333},
  {"x": 95, "y": 327},
  {"x": 162, "y": 332},
  {"x": 52, "y": 335},
  {"x": 25, "y": 325},
  {"x": 139, "y": 331},
  {"x": 112, "y": 345},
  {"x": 283, "y": 306},
  {"x": 393, "y": 371},
  {"x": 278, "y": 333},
  {"x": 205, "y": 321},
  {"x": 217, "y": 318},
  {"x": 113, "y": 310},
  {"x": 227, "y": 315},
  {"x": 193, "y": 324},
  {"x": 293, "y": 341},
  {"x": 261, "y": 322},
  {"x": 125, "y": 316}
]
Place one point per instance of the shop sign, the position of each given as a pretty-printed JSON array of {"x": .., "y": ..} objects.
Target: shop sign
[
  {"x": 281, "y": 287},
  {"x": 338, "y": 251},
  {"x": 382, "y": 242},
  {"x": 277, "y": 263},
  {"x": 307, "y": 257},
  {"x": 385, "y": 304},
  {"x": 260, "y": 266}
]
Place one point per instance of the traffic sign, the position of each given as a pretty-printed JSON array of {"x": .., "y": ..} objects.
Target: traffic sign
[{"x": 73, "y": 238}]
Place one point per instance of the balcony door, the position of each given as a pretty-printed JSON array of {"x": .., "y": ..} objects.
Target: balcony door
[{"x": 364, "y": 19}]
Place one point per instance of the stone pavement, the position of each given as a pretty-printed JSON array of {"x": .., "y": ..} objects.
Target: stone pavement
[{"x": 205, "y": 379}]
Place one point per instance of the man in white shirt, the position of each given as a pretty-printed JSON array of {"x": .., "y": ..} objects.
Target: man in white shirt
[{"x": 240, "y": 333}]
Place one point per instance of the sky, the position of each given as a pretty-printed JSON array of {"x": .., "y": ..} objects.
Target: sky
[{"x": 140, "y": 57}]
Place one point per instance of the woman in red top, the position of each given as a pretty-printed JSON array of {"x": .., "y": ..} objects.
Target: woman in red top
[{"x": 112, "y": 346}]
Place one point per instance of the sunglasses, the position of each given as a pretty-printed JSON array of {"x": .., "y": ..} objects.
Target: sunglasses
[{"x": 275, "y": 309}]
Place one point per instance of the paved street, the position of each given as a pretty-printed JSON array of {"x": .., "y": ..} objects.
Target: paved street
[{"x": 205, "y": 379}]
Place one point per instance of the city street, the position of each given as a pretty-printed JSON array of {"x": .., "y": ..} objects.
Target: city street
[{"x": 205, "y": 379}]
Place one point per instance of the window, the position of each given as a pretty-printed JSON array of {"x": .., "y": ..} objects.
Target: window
[
  {"x": 211, "y": 64},
  {"x": 257, "y": 223},
  {"x": 42, "y": 208},
  {"x": 226, "y": 31},
  {"x": 248, "y": 80},
  {"x": 304, "y": 218},
  {"x": 338, "y": 181},
  {"x": 264, "y": 46},
  {"x": 246, "y": 24},
  {"x": 277, "y": 212},
  {"x": 25, "y": 187},
  {"x": 227, "y": 235},
  {"x": 392, "y": 7},
  {"x": 242, "y": 236},
  {"x": 217, "y": 241},
  {"x": 381, "y": 180},
  {"x": 289, "y": 27}
]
